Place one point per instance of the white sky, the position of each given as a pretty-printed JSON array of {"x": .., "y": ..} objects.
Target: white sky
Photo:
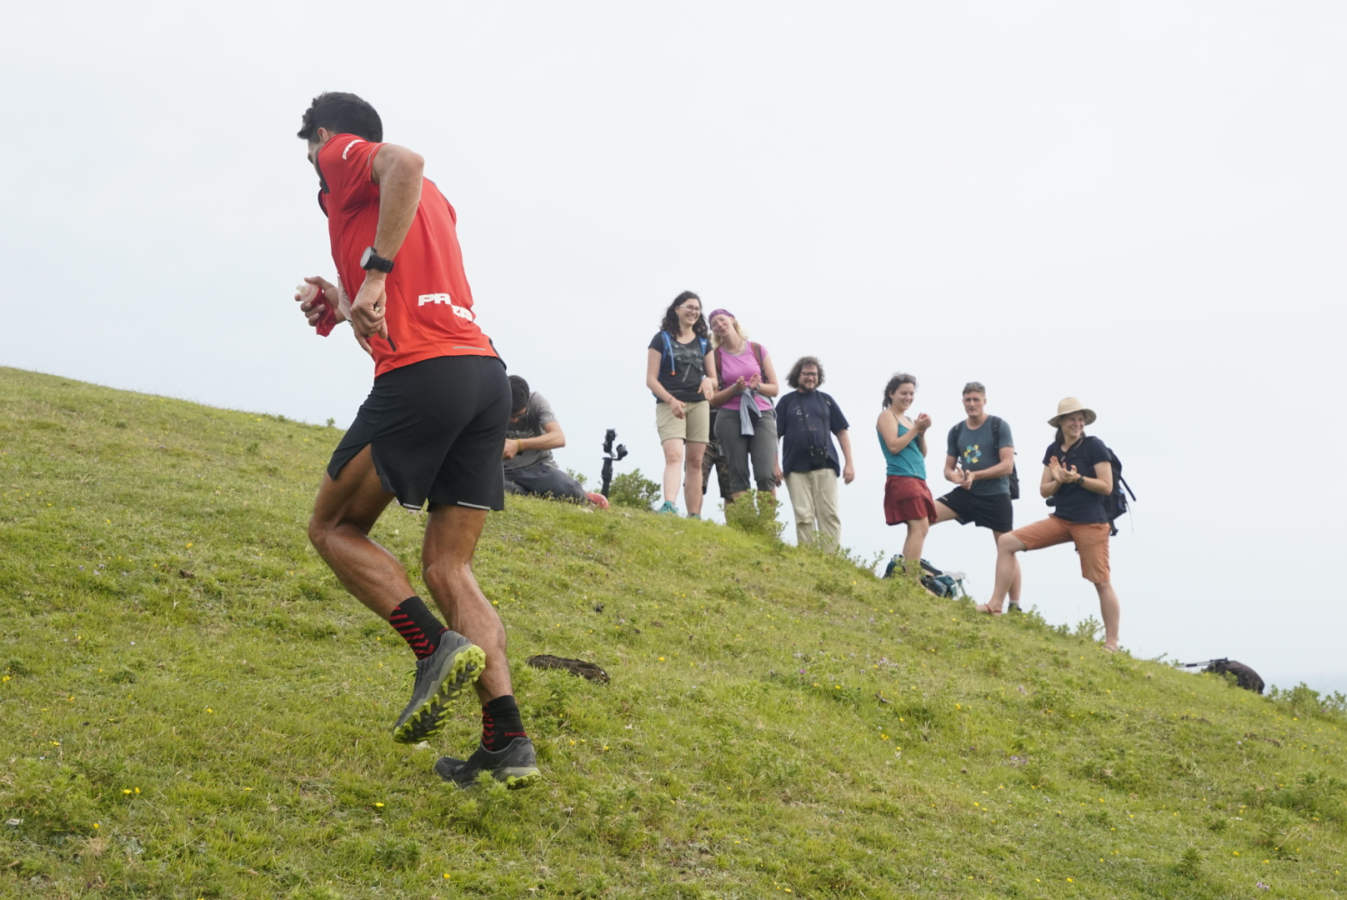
[{"x": 1137, "y": 203}]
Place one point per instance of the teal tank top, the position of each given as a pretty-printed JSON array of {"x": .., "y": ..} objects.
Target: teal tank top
[{"x": 907, "y": 461}]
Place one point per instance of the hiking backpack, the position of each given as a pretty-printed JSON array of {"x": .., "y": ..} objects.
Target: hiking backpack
[
  {"x": 1116, "y": 504},
  {"x": 942, "y": 584}
]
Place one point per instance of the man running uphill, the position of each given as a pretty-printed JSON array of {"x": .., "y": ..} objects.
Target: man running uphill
[{"x": 431, "y": 429}]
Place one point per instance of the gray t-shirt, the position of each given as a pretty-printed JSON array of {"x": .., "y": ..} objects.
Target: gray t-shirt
[
  {"x": 537, "y": 415},
  {"x": 972, "y": 448}
]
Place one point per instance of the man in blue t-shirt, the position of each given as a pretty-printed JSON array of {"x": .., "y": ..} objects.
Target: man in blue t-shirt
[
  {"x": 979, "y": 459},
  {"x": 806, "y": 420}
]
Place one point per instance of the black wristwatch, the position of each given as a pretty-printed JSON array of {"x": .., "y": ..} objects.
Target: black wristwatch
[{"x": 371, "y": 259}]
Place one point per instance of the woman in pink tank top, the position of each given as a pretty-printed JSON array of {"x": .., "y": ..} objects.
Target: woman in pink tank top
[{"x": 746, "y": 376}]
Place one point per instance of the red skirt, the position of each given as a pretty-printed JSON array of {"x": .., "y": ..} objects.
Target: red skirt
[{"x": 907, "y": 498}]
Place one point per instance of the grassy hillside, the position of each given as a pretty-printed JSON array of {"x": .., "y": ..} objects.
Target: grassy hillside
[{"x": 192, "y": 707}]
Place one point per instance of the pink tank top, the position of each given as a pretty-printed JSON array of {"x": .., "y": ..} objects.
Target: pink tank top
[{"x": 744, "y": 365}]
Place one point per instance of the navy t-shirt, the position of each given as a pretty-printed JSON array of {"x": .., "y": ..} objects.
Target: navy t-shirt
[
  {"x": 1073, "y": 502},
  {"x": 689, "y": 366},
  {"x": 805, "y": 420}
]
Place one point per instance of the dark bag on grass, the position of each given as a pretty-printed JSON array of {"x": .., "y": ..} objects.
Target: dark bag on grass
[
  {"x": 942, "y": 584},
  {"x": 1245, "y": 677}
]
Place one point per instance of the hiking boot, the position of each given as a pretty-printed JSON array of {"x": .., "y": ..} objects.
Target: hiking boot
[
  {"x": 668, "y": 508},
  {"x": 456, "y": 663},
  {"x": 515, "y": 766}
]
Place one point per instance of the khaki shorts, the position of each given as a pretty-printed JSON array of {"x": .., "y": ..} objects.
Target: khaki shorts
[
  {"x": 1090, "y": 538},
  {"x": 694, "y": 428}
]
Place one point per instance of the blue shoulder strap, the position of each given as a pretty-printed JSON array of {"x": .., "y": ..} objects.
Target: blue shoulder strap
[{"x": 668, "y": 351}]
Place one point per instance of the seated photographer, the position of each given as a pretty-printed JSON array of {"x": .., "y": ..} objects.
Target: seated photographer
[{"x": 531, "y": 436}]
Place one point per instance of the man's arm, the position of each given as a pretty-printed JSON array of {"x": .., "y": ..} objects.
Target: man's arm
[
  {"x": 1005, "y": 463},
  {"x": 848, "y": 470},
  {"x": 398, "y": 173},
  {"x": 552, "y": 438}
]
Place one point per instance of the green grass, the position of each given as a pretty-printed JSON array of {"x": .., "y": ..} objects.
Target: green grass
[{"x": 193, "y": 707}]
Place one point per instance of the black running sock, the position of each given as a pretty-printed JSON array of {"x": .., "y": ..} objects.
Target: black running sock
[
  {"x": 501, "y": 723},
  {"x": 417, "y": 625}
]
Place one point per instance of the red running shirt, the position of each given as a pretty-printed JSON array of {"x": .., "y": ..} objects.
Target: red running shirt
[{"x": 429, "y": 308}]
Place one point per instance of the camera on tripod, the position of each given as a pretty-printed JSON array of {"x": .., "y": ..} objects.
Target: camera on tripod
[{"x": 610, "y": 453}]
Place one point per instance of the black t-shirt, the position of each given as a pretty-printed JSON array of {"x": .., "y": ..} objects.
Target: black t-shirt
[
  {"x": 689, "y": 365},
  {"x": 1073, "y": 502},
  {"x": 805, "y": 421}
]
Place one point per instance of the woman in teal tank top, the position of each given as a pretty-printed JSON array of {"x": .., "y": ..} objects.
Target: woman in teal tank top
[{"x": 907, "y": 499}]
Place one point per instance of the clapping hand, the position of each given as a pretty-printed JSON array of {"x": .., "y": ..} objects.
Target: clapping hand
[
  {"x": 922, "y": 423},
  {"x": 1060, "y": 473}
]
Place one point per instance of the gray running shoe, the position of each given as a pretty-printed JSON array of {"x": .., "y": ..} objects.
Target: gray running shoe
[
  {"x": 516, "y": 765},
  {"x": 443, "y": 675}
]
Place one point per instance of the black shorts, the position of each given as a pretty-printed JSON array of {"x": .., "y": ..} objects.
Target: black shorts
[
  {"x": 436, "y": 430},
  {"x": 984, "y": 510}
]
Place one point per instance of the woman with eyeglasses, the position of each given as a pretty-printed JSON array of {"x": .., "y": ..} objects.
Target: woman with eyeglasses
[{"x": 680, "y": 373}]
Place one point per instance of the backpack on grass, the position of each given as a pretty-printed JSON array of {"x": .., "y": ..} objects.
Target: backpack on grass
[{"x": 942, "y": 584}]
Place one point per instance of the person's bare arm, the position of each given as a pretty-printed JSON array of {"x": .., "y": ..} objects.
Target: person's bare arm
[
  {"x": 398, "y": 173},
  {"x": 887, "y": 426},
  {"x": 552, "y": 438},
  {"x": 769, "y": 386},
  {"x": 1004, "y": 464},
  {"x": 848, "y": 470}
]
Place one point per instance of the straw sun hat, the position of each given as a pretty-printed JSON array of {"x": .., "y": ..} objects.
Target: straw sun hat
[{"x": 1069, "y": 405}]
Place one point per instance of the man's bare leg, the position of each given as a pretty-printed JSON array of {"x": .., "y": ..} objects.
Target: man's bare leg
[
  {"x": 446, "y": 564},
  {"x": 346, "y": 509},
  {"x": 343, "y": 514},
  {"x": 505, "y": 750}
]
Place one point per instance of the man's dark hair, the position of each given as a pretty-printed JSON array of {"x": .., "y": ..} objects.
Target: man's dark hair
[
  {"x": 793, "y": 379},
  {"x": 670, "y": 321},
  {"x": 519, "y": 394},
  {"x": 341, "y": 113}
]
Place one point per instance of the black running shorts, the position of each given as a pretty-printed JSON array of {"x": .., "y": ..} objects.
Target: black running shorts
[
  {"x": 436, "y": 430},
  {"x": 992, "y": 511}
]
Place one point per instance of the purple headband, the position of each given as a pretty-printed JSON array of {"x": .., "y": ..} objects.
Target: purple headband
[{"x": 719, "y": 312}]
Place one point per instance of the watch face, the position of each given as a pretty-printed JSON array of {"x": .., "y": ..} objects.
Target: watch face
[{"x": 364, "y": 257}]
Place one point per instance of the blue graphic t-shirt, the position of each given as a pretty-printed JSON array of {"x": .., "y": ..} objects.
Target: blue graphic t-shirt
[{"x": 977, "y": 448}]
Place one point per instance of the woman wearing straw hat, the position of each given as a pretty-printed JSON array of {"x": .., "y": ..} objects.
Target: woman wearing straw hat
[{"x": 1077, "y": 481}]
